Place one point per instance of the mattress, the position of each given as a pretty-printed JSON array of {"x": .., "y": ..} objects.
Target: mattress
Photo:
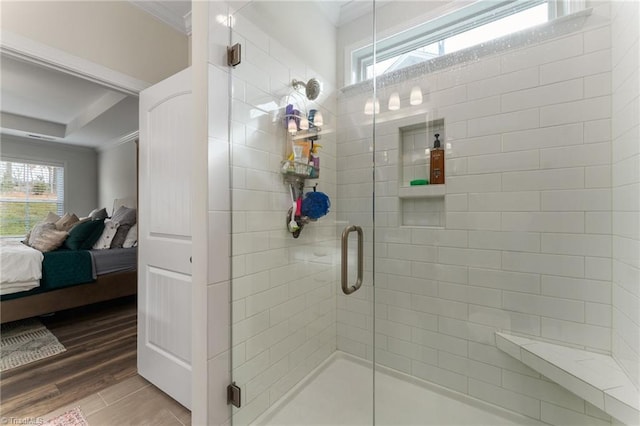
[
  {"x": 20, "y": 266},
  {"x": 18, "y": 286},
  {"x": 115, "y": 260}
]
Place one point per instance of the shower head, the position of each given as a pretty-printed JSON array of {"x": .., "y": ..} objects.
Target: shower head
[{"x": 312, "y": 87}]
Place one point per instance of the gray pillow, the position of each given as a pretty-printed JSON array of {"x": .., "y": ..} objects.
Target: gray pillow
[
  {"x": 121, "y": 235},
  {"x": 98, "y": 214},
  {"x": 125, "y": 216}
]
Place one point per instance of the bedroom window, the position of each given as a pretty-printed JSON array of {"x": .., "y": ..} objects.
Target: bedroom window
[{"x": 28, "y": 191}]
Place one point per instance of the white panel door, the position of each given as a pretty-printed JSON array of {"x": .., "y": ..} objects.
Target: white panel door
[{"x": 164, "y": 252}]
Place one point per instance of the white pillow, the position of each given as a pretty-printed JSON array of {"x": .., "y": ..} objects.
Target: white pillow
[
  {"x": 110, "y": 229},
  {"x": 132, "y": 237}
]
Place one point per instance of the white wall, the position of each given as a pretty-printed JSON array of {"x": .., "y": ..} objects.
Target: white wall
[
  {"x": 81, "y": 168},
  {"x": 117, "y": 173},
  {"x": 526, "y": 245},
  {"x": 626, "y": 186},
  {"x": 302, "y": 28},
  {"x": 114, "y": 34}
]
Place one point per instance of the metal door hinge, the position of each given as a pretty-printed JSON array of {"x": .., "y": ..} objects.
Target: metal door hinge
[
  {"x": 234, "y": 395},
  {"x": 234, "y": 56}
]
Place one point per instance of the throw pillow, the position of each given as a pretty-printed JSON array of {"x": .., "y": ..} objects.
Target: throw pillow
[
  {"x": 84, "y": 235},
  {"x": 124, "y": 216},
  {"x": 110, "y": 229},
  {"x": 121, "y": 235},
  {"x": 132, "y": 237},
  {"x": 66, "y": 222},
  {"x": 98, "y": 214},
  {"x": 80, "y": 221},
  {"x": 45, "y": 237},
  {"x": 39, "y": 229},
  {"x": 51, "y": 218}
]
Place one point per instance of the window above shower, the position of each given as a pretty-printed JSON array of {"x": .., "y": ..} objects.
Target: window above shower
[{"x": 473, "y": 25}]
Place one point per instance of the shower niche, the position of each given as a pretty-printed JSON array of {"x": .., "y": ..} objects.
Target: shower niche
[{"x": 420, "y": 204}]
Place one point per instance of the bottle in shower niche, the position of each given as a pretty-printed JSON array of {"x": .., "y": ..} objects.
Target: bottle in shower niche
[{"x": 436, "y": 175}]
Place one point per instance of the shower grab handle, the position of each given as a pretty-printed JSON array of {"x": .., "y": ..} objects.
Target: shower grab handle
[{"x": 345, "y": 253}]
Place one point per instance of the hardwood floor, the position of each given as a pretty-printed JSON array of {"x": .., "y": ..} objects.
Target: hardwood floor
[
  {"x": 131, "y": 402},
  {"x": 101, "y": 352}
]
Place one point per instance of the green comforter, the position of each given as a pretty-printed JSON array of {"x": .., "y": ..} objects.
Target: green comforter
[{"x": 62, "y": 268}]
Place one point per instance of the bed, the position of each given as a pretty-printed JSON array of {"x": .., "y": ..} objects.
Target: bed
[{"x": 41, "y": 283}]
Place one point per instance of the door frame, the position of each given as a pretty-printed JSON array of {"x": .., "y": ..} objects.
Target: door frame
[{"x": 34, "y": 52}]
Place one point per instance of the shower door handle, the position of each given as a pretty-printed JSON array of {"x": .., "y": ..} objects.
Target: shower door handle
[{"x": 345, "y": 254}]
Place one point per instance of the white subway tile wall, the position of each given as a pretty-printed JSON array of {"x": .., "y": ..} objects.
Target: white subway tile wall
[
  {"x": 625, "y": 166},
  {"x": 526, "y": 244},
  {"x": 282, "y": 290}
]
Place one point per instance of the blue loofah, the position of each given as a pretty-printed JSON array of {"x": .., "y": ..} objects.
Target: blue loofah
[{"x": 315, "y": 205}]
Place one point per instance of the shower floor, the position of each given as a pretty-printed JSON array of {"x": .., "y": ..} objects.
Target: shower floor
[{"x": 339, "y": 393}]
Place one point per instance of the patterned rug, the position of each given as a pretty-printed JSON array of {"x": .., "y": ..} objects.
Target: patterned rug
[
  {"x": 72, "y": 417},
  {"x": 26, "y": 341}
]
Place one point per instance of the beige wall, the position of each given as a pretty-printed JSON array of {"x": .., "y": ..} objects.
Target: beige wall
[{"x": 114, "y": 34}]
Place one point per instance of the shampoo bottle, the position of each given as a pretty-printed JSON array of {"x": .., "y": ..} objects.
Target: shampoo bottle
[{"x": 436, "y": 175}]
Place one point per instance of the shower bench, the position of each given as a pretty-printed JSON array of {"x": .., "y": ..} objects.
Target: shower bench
[{"x": 594, "y": 377}]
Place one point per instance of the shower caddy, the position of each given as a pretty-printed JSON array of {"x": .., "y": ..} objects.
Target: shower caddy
[
  {"x": 298, "y": 167},
  {"x": 295, "y": 174}
]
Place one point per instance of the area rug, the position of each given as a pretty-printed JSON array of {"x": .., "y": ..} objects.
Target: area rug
[
  {"x": 72, "y": 417},
  {"x": 26, "y": 341}
]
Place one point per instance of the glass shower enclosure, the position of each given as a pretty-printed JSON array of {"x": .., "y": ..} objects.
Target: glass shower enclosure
[
  {"x": 367, "y": 273},
  {"x": 289, "y": 212}
]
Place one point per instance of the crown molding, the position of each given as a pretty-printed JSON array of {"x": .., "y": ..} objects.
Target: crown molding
[
  {"x": 131, "y": 137},
  {"x": 166, "y": 14}
]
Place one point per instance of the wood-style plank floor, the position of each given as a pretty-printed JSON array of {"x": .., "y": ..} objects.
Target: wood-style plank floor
[
  {"x": 131, "y": 402},
  {"x": 101, "y": 352}
]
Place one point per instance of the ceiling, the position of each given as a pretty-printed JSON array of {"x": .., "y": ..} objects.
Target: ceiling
[
  {"x": 177, "y": 13},
  {"x": 41, "y": 103},
  {"x": 45, "y": 104}
]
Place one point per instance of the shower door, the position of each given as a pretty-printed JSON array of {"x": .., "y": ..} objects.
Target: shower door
[{"x": 292, "y": 324}]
